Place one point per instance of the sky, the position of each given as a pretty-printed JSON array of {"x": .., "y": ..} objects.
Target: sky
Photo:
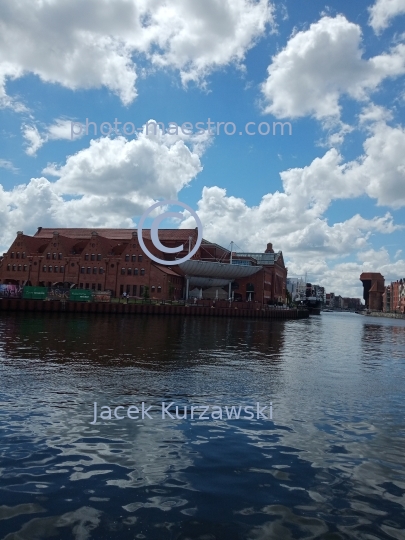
[{"x": 328, "y": 191}]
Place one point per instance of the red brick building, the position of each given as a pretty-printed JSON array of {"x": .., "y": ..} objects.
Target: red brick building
[
  {"x": 112, "y": 259},
  {"x": 394, "y": 297},
  {"x": 373, "y": 290}
]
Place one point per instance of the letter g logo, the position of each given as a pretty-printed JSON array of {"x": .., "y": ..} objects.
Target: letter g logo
[{"x": 155, "y": 235}]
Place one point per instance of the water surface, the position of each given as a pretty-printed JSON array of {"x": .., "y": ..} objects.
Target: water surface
[{"x": 330, "y": 464}]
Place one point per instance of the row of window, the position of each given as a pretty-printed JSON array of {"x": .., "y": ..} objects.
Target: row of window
[
  {"x": 17, "y": 255},
  {"x": 100, "y": 270},
  {"x": 55, "y": 256},
  {"x": 128, "y": 271},
  {"x": 90, "y": 286},
  {"x": 92, "y": 257},
  {"x": 128, "y": 258},
  {"x": 54, "y": 269},
  {"x": 16, "y": 268}
]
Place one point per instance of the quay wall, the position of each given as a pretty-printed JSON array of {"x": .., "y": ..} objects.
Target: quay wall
[
  {"x": 20, "y": 304},
  {"x": 385, "y": 314}
]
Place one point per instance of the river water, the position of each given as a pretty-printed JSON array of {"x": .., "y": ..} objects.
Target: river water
[{"x": 330, "y": 463}]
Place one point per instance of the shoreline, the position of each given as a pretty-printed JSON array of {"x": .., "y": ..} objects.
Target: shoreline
[
  {"x": 42, "y": 306},
  {"x": 386, "y": 315}
]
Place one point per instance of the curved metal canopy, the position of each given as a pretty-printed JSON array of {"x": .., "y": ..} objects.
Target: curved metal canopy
[
  {"x": 205, "y": 282},
  {"x": 217, "y": 270}
]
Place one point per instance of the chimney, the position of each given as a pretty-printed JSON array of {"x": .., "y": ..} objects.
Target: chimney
[
  {"x": 269, "y": 248},
  {"x": 19, "y": 233}
]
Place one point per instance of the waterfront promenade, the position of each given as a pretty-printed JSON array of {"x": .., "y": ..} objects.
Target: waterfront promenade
[{"x": 221, "y": 309}]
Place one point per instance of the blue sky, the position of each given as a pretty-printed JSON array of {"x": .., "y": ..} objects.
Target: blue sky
[{"x": 331, "y": 196}]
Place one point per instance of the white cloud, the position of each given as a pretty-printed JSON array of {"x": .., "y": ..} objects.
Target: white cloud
[
  {"x": 104, "y": 185},
  {"x": 323, "y": 63},
  {"x": 288, "y": 221},
  {"x": 94, "y": 43},
  {"x": 382, "y": 167},
  {"x": 374, "y": 113},
  {"x": 11, "y": 72},
  {"x": 196, "y": 37},
  {"x": 61, "y": 129},
  {"x": 383, "y": 12},
  {"x": 6, "y": 164},
  {"x": 294, "y": 219},
  {"x": 34, "y": 140}
]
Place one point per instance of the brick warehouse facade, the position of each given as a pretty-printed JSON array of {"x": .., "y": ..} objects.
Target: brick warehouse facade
[{"x": 112, "y": 259}]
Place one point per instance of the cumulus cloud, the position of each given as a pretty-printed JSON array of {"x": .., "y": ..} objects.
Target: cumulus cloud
[
  {"x": 294, "y": 219},
  {"x": 104, "y": 185},
  {"x": 286, "y": 221},
  {"x": 94, "y": 43},
  {"x": 383, "y": 12},
  {"x": 382, "y": 167},
  {"x": 320, "y": 65}
]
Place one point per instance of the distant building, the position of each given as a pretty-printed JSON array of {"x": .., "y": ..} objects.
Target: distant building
[
  {"x": 297, "y": 288},
  {"x": 373, "y": 290},
  {"x": 330, "y": 300},
  {"x": 394, "y": 297}
]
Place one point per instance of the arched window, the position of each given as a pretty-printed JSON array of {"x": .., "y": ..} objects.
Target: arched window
[
  {"x": 44, "y": 268},
  {"x": 48, "y": 255},
  {"x": 152, "y": 288},
  {"x": 136, "y": 271},
  {"x": 86, "y": 257},
  {"x": 9, "y": 267},
  {"x": 133, "y": 258},
  {"x": 54, "y": 256},
  {"x": 127, "y": 257},
  {"x": 25, "y": 267},
  {"x": 82, "y": 270},
  {"x": 62, "y": 269},
  {"x": 88, "y": 270},
  {"x": 23, "y": 254},
  {"x": 140, "y": 258},
  {"x": 129, "y": 271},
  {"x": 142, "y": 271},
  {"x": 19, "y": 267},
  {"x": 49, "y": 268},
  {"x": 18, "y": 255},
  {"x": 12, "y": 255},
  {"x": 122, "y": 271},
  {"x": 159, "y": 289},
  {"x": 95, "y": 270},
  {"x": 99, "y": 256},
  {"x": 101, "y": 270},
  {"x": 14, "y": 267},
  {"x": 56, "y": 269},
  {"x": 60, "y": 256}
]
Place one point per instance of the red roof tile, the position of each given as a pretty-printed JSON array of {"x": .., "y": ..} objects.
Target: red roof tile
[{"x": 116, "y": 234}]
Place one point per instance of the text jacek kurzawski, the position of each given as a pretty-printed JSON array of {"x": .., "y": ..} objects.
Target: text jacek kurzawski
[{"x": 171, "y": 411}]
